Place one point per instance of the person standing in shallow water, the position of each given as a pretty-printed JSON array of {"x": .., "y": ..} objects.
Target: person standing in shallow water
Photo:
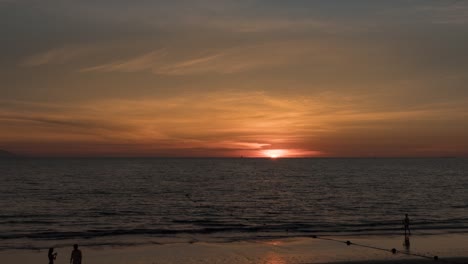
[
  {"x": 406, "y": 223},
  {"x": 75, "y": 257},
  {"x": 51, "y": 255}
]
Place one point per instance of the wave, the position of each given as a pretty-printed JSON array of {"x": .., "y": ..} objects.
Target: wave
[{"x": 241, "y": 230}]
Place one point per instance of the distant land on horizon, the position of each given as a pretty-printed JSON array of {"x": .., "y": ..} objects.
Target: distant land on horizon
[{"x": 7, "y": 154}]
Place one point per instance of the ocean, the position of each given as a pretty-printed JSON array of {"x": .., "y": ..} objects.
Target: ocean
[{"x": 123, "y": 201}]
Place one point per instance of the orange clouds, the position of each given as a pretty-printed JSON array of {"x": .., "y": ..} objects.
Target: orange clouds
[
  {"x": 250, "y": 124},
  {"x": 226, "y": 124}
]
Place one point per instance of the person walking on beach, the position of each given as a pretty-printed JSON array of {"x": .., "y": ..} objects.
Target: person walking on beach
[
  {"x": 406, "y": 223},
  {"x": 75, "y": 257},
  {"x": 51, "y": 255}
]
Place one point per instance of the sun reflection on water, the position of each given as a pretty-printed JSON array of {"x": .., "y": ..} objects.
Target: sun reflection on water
[{"x": 273, "y": 258}]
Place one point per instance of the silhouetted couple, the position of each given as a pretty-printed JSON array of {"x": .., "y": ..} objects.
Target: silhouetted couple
[{"x": 75, "y": 257}]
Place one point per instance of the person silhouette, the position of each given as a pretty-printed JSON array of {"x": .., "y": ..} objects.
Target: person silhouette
[
  {"x": 75, "y": 257},
  {"x": 406, "y": 223},
  {"x": 51, "y": 255}
]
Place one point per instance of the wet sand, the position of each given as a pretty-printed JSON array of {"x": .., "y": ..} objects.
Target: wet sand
[{"x": 449, "y": 248}]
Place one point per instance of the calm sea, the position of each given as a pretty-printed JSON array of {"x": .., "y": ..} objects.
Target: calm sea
[{"x": 53, "y": 202}]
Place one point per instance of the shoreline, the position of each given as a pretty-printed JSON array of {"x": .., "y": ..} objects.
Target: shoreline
[
  {"x": 129, "y": 240},
  {"x": 303, "y": 250}
]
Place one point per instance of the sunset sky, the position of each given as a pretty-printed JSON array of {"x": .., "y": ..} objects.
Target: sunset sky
[{"x": 218, "y": 78}]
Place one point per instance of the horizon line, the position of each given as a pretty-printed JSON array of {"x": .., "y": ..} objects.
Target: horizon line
[{"x": 238, "y": 157}]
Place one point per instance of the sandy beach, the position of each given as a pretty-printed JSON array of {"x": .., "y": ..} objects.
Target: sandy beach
[{"x": 449, "y": 248}]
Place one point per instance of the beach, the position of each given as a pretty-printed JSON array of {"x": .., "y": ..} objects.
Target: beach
[{"x": 450, "y": 248}]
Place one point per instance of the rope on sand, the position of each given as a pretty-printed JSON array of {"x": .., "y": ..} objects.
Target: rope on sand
[
  {"x": 349, "y": 243},
  {"x": 393, "y": 250}
]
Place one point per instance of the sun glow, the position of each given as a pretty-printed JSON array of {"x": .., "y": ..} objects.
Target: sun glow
[{"x": 274, "y": 153}]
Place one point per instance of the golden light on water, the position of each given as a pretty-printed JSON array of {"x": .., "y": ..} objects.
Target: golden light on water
[
  {"x": 274, "y": 243},
  {"x": 273, "y": 258}
]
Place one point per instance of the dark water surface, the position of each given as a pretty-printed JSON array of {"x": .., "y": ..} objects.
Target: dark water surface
[{"x": 51, "y": 201}]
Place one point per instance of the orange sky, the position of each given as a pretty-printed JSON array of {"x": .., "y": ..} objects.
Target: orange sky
[{"x": 224, "y": 79}]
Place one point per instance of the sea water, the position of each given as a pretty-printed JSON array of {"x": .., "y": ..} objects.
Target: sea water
[{"x": 117, "y": 201}]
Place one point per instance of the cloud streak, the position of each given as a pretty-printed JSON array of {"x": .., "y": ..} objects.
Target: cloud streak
[
  {"x": 144, "y": 62},
  {"x": 448, "y": 13},
  {"x": 57, "y": 56},
  {"x": 224, "y": 61}
]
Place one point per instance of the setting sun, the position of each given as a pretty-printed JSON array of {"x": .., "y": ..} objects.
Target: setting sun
[{"x": 274, "y": 153}]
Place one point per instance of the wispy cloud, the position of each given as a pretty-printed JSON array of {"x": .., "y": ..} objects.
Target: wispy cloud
[
  {"x": 222, "y": 61},
  {"x": 447, "y": 12},
  {"x": 143, "y": 62},
  {"x": 263, "y": 24},
  {"x": 57, "y": 56}
]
